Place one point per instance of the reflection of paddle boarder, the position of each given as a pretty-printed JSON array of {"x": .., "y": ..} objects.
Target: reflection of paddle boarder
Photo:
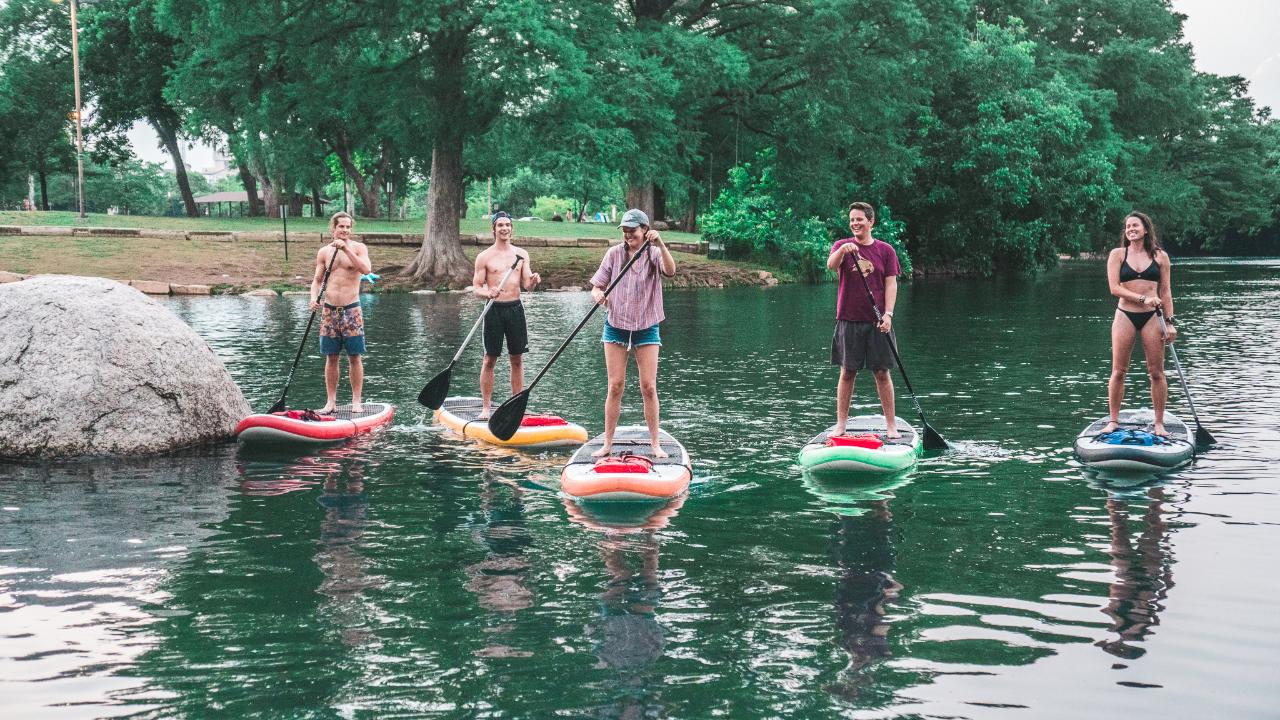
[
  {"x": 345, "y": 570},
  {"x": 499, "y": 580},
  {"x": 1144, "y": 574},
  {"x": 629, "y": 639},
  {"x": 865, "y": 556}
]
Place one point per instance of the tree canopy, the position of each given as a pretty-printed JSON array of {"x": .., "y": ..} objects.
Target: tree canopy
[{"x": 993, "y": 135}]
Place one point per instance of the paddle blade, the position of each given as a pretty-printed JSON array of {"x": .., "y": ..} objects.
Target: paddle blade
[
  {"x": 434, "y": 393},
  {"x": 506, "y": 419},
  {"x": 1203, "y": 438},
  {"x": 278, "y": 407},
  {"x": 932, "y": 440}
]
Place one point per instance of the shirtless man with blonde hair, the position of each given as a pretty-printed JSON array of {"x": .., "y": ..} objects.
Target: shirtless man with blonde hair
[{"x": 341, "y": 322}]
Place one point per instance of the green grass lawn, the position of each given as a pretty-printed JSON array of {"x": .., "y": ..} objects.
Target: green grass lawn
[{"x": 315, "y": 225}]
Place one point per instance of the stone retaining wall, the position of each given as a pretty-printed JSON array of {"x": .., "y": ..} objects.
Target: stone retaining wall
[{"x": 373, "y": 238}]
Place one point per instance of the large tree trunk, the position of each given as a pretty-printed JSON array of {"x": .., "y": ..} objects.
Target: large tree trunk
[
  {"x": 368, "y": 188},
  {"x": 295, "y": 204},
  {"x": 270, "y": 199},
  {"x": 690, "y": 222},
  {"x": 441, "y": 260},
  {"x": 44, "y": 190},
  {"x": 640, "y": 196},
  {"x": 169, "y": 136},
  {"x": 250, "y": 190},
  {"x": 243, "y": 167},
  {"x": 317, "y": 208}
]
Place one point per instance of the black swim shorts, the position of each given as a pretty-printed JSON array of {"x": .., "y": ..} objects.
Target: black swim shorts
[
  {"x": 506, "y": 320},
  {"x": 858, "y": 345}
]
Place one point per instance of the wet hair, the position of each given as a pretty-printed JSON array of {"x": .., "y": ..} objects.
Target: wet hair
[
  {"x": 866, "y": 209},
  {"x": 1150, "y": 241},
  {"x": 333, "y": 220},
  {"x": 499, "y": 216}
]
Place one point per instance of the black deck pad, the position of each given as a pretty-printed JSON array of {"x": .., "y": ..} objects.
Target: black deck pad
[
  {"x": 343, "y": 412},
  {"x": 874, "y": 424},
  {"x": 1141, "y": 420},
  {"x": 468, "y": 408},
  {"x": 635, "y": 442}
]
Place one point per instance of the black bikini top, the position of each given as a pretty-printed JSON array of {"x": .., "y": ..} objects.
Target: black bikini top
[{"x": 1127, "y": 273}]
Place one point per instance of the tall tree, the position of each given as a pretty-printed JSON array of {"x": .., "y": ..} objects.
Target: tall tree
[{"x": 128, "y": 60}]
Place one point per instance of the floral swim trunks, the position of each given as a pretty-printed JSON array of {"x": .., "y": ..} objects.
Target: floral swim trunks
[{"x": 341, "y": 328}]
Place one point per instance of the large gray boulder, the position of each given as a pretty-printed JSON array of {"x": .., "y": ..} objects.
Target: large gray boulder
[{"x": 89, "y": 366}]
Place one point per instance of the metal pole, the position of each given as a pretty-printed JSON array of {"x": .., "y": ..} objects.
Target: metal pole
[
  {"x": 75, "y": 70},
  {"x": 284, "y": 218},
  {"x": 490, "y": 195}
]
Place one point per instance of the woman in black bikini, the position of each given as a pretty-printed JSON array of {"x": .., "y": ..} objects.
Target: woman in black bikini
[{"x": 1140, "y": 294}]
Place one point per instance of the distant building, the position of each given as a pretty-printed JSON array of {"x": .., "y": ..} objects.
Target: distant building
[{"x": 221, "y": 167}]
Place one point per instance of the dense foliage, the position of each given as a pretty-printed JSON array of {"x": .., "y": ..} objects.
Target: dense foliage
[{"x": 991, "y": 134}]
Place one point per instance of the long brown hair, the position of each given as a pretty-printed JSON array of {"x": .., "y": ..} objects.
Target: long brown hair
[{"x": 1150, "y": 241}]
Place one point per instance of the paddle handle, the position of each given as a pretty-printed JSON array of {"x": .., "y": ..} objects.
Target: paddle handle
[
  {"x": 324, "y": 283},
  {"x": 596, "y": 306},
  {"x": 484, "y": 312}
]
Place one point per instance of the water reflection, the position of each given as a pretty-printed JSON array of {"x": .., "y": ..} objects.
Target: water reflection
[
  {"x": 87, "y": 552},
  {"x": 627, "y": 637},
  {"x": 500, "y": 580},
  {"x": 1143, "y": 563},
  {"x": 864, "y": 554},
  {"x": 339, "y": 473}
]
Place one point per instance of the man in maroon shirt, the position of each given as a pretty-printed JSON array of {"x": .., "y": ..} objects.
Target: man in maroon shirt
[{"x": 859, "y": 340}]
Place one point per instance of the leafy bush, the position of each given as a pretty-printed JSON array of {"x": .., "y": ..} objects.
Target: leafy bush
[{"x": 748, "y": 219}]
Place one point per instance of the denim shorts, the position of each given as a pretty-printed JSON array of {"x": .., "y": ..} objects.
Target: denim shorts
[{"x": 631, "y": 338}]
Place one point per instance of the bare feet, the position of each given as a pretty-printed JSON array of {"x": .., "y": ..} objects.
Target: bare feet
[
  {"x": 892, "y": 433},
  {"x": 658, "y": 452},
  {"x": 838, "y": 430},
  {"x": 356, "y": 407},
  {"x": 1159, "y": 430},
  {"x": 604, "y": 451},
  {"x": 484, "y": 414},
  {"x": 1110, "y": 427},
  {"x": 326, "y": 410}
]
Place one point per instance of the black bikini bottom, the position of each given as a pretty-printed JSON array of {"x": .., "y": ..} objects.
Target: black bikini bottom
[{"x": 1138, "y": 318}]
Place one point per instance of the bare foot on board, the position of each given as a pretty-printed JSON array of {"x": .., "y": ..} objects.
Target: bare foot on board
[
  {"x": 658, "y": 452},
  {"x": 604, "y": 451}
]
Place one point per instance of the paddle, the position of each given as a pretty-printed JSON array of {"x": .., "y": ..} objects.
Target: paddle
[
  {"x": 280, "y": 406},
  {"x": 932, "y": 440},
  {"x": 506, "y": 419},
  {"x": 435, "y": 391},
  {"x": 1203, "y": 438}
]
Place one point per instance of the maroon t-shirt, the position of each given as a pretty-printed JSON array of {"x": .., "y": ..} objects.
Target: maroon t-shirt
[{"x": 851, "y": 297}]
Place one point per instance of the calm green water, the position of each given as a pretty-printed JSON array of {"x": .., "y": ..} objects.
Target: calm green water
[{"x": 414, "y": 574}]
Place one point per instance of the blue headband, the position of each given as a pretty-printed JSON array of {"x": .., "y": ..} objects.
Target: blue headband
[{"x": 499, "y": 215}]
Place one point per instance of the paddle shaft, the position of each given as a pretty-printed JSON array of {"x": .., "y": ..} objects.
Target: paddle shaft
[
  {"x": 591, "y": 312},
  {"x": 879, "y": 319},
  {"x": 1181, "y": 378},
  {"x": 484, "y": 312},
  {"x": 324, "y": 283}
]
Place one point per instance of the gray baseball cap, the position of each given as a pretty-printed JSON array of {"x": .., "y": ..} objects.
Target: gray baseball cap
[{"x": 633, "y": 218}]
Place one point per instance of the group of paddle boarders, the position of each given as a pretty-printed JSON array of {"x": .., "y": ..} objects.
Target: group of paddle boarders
[{"x": 628, "y": 284}]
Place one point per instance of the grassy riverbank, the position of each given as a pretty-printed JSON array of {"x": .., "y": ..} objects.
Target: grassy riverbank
[
  {"x": 236, "y": 266},
  {"x": 306, "y": 225}
]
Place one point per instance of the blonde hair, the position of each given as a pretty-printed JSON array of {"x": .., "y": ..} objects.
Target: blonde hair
[{"x": 333, "y": 221}]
